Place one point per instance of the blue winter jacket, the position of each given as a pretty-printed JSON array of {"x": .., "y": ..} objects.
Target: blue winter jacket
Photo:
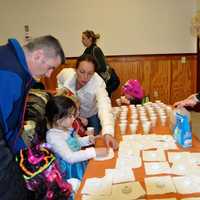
[{"x": 15, "y": 81}]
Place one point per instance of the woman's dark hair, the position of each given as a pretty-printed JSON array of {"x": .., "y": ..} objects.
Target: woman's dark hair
[
  {"x": 88, "y": 58},
  {"x": 58, "y": 107},
  {"x": 91, "y": 34}
]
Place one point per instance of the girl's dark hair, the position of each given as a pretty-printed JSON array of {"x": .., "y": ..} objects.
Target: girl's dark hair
[
  {"x": 58, "y": 107},
  {"x": 91, "y": 34},
  {"x": 88, "y": 58}
]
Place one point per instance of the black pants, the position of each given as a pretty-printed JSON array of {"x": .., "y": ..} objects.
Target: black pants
[
  {"x": 113, "y": 83},
  {"x": 12, "y": 185}
]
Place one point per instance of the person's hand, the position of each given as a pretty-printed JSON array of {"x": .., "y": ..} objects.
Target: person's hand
[
  {"x": 92, "y": 139},
  {"x": 101, "y": 151},
  {"x": 84, "y": 121},
  {"x": 127, "y": 102},
  {"x": 124, "y": 100},
  {"x": 118, "y": 101},
  {"x": 110, "y": 141},
  {"x": 190, "y": 101}
]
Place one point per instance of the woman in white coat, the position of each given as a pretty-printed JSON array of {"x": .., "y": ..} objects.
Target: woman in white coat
[{"x": 90, "y": 88}]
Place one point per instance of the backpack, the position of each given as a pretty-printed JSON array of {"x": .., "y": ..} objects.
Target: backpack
[
  {"x": 35, "y": 122},
  {"x": 41, "y": 174}
]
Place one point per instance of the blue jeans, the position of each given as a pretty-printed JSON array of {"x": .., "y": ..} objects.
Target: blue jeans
[{"x": 95, "y": 122}]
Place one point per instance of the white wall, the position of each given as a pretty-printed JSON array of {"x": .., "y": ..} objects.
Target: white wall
[
  {"x": 127, "y": 27},
  {"x": 198, "y": 4}
]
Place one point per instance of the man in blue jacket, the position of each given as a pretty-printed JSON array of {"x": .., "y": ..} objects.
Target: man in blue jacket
[{"x": 19, "y": 66}]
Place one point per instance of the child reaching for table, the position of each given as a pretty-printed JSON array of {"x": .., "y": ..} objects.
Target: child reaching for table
[
  {"x": 61, "y": 113},
  {"x": 133, "y": 93}
]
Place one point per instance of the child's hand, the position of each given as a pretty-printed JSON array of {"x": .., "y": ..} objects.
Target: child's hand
[
  {"x": 127, "y": 102},
  {"x": 124, "y": 100},
  {"x": 118, "y": 101},
  {"x": 101, "y": 152},
  {"x": 92, "y": 139},
  {"x": 84, "y": 121}
]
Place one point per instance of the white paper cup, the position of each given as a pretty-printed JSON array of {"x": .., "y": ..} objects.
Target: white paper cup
[
  {"x": 138, "y": 106},
  {"x": 132, "y": 106},
  {"x": 123, "y": 107},
  {"x": 123, "y": 115},
  {"x": 123, "y": 121},
  {"x": 134, "y": 116},
  {"x": 153, "y": 121},
  {"x": 169, "y": 110},
  {"x": 133, "y": 110},
  {"x": 90, "y": 130},
  {"x": 163, "y": 119},
  {"x": 143, "y": 119},
  {"x": 135, "y": 121}
]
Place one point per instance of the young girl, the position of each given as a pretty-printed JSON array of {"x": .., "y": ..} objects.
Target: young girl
[
  {"x": 133, "y": 93},
  {"x": 61, "y": 113}
]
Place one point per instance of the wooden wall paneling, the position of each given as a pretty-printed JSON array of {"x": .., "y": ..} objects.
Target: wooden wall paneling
[
  {"x": 193, "y": 65},
  {"x": 160, "y": 80},
  {"x": 143, "y": 76},
  {"x": 165, "y": 74},
  {"x": 183, "y": 79},
  {"x": 126, "y": 71},
  {"x": 121, "y": 70}
]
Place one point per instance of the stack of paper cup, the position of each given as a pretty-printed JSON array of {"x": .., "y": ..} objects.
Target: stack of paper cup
[
  {"x": 169, "y": 110},
  {"x": 122, "y": 127},
  {"x": 135, "y": 121},
  {"x": 134, "y": 116},
  {"x": 153, "y": 120},
  {"x": 133, "y": 128},
  {"x": 163, "y": 119},
  {"x": 123, "y": 116}
]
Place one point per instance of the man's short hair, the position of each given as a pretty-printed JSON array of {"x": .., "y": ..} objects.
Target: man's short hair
[{"x": 49, "y": 44}]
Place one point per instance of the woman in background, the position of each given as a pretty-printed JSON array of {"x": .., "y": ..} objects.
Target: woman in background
[{"x": 89, "y": 40}]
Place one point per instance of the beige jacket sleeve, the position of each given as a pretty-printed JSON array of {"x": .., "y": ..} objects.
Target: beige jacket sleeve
[{"x": 105, "y": 110}]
